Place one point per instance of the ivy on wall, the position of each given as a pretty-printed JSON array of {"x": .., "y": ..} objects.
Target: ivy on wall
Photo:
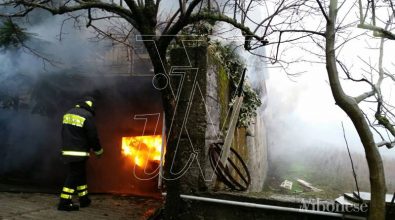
[
  {"x": 227, "y": 57},
  {"x": 228, "y": 61}
]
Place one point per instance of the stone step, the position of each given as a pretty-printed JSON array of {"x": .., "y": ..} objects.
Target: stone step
[
  {"x": 342, "y": 200},
  {"x": 352, "y": 197},
  {"x": 365, "y": 196}
]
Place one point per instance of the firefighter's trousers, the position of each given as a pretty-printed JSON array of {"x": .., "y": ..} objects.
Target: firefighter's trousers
[{"x": 75, "y": 182}]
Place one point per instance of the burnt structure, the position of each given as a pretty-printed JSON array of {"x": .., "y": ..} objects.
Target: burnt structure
[{"x": 30, "y": 119}]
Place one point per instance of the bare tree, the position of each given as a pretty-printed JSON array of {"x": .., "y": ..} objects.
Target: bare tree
[
  {"x": 330, "y": 26},
  {"x": 350, "y": 104}
]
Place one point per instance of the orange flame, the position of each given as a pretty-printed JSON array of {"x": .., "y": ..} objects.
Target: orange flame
[{"x": 142, "y": 149}]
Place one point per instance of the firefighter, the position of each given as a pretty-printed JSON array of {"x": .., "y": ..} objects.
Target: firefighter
[{"x": 79, "y": 137}]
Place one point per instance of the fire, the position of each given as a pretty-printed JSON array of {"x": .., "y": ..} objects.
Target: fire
[{"x": 142, "y": 149}]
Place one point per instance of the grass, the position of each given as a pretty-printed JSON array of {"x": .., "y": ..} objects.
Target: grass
[{"x": 295, "y": 171}]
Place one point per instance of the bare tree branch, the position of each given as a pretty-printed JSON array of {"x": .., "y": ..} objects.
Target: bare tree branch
[
  {"x": 352, "y": 162},
  {"x": 364, "y": 96},
  {"x": 388, "y": 144},
  {"x": 110, "y": 7},
  {"x": 322, "y": 10},
  {"x": 377, "y": 31}
]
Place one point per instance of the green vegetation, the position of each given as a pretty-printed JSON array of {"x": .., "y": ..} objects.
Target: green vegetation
[
  {"x": 327, "y": 169},
  {"x": 230, "y": 67},
  {"x": 11, "y": 35},
  {"x": 294, "y": 171},
  {"x": 223, "y": 93},
  {"x": 231, "y": 63}
]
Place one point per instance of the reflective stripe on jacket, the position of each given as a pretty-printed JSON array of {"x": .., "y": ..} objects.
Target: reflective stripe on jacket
[{"x": 79, "y": 134}]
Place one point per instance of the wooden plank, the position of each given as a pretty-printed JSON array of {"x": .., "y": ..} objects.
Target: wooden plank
[
  {"x": 231, "y": 131},
  {"x": 229, "y": 135},
  {"x": 308, "y": 185}
]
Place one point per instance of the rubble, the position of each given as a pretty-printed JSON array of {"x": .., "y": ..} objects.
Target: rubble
[{"x": 287, "y": 184}]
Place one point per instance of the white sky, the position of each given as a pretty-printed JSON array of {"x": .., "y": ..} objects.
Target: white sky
[{"x": 306, "y": 109}]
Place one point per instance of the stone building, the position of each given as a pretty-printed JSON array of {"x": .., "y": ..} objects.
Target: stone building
[{"x": 206, "y": 90}]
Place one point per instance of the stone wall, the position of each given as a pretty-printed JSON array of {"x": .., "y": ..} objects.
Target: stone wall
[
  {"x": 257, "y": 160},
  {"x": 208, "y": 119},
  {"x": 188, "y": 78},
  {"x": 213, "y": 116}
]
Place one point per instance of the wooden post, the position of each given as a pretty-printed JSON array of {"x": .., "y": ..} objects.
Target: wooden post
[{"x": 232, "y": 124}]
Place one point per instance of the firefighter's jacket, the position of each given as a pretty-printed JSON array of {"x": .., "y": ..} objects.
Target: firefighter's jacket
[{"x": 79, "y": 134}]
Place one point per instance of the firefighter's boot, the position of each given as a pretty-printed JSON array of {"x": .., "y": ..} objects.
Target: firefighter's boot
[
  {"x": 83, "y": 194},
  {"x": 85, "y": 201},
  {"x": 67, "y": 205}
]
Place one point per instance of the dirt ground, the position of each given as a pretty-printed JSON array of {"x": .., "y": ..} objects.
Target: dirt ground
[{"x": 43, "y": 206}]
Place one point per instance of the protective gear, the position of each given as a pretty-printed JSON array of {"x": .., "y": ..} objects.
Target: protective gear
[
  {"x": 79, "y": 132},
  {"x": 79, "y": 136},
  {"x": 85, "y": 201},
  {"x": 66, "y": 205}
]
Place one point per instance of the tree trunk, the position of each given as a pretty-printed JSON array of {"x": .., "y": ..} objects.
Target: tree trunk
[
  {"x": 350, "y": 106},
  {"x": 173, "y": 203}
]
